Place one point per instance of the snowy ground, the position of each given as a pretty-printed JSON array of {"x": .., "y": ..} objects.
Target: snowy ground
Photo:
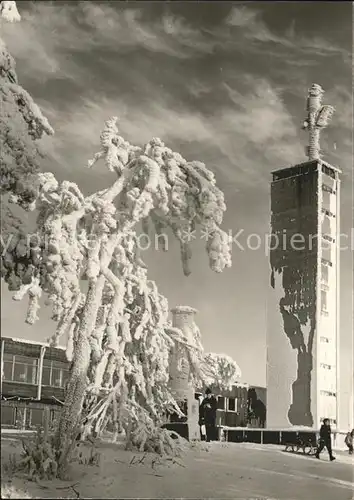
[{"x": 237, "y": 471}]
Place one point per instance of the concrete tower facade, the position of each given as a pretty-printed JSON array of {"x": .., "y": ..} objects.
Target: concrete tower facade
[{"x": 303, "y": 302}]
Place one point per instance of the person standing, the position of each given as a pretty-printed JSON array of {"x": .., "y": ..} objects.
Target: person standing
[
  {"x": 201, "y": 419},
  {"x": 208, "y": 415},
  {"x": 325, "y": 440},
  {"x": 349, "y": 438}
]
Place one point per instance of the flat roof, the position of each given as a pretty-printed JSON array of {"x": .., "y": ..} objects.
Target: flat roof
[
  {"x": 33, "y": 342},
  {"x": 309, "y": 163}
]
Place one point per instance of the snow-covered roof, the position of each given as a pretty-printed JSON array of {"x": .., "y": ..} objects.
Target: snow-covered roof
[
  {"x": 32, "y": 342},
  {"x": 184, "y": 309},
  {"x": 234, "y": 384}
]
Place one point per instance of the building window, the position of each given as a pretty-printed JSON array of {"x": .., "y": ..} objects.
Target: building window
[
  {"x": 232, "y": 404},
  {"x": 328, "y": 171},
  {"x": 7, "y": 373},
  {"x": 55, "y": 373},
  {"x": 25, "y": 370},
  {"x": 328, "y": 189},
  {"x": 323, "y": 300},
  {"x": 326, "y": 262},
  {"x": 328, "y": 393},
  {"x": 327, "y": 249},
  {"x": 331, "y": 420},
  {"x": 36, "y": 418},
  {"x": 20, "y": 369},
  {"x": 325, "y": 366},
  {"x": 328, "y": 213},
  {"x": 221, "y": 403},
  {"x": 8, "y": 415},
  {"x": 324, "y": 339},
  {"x": 328, "y": 238},
  {"x": 324, "y": 273}
]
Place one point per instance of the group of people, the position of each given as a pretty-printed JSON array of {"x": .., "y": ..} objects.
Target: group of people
[{"x": 208, "y": 429}]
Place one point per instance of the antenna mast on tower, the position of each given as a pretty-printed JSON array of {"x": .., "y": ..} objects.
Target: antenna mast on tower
[{"x": 318, "y": 117}]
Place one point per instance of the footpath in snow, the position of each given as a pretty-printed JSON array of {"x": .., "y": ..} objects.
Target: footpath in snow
[{"x": 216, "y": 470}]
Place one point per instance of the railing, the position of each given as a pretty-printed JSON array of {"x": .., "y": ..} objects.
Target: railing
[{"x": 277, "y": 437}]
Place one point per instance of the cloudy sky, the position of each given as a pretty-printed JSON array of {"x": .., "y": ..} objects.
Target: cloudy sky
[{"x": 223, "y": 83}]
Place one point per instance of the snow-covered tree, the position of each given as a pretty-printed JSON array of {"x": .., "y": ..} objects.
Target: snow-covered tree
[
  {"x": 219, "y": 370},
  {"x": 21, "y": 124},
  {"x": 119, "y": 337},
  {"x": 119, "y": 334}
]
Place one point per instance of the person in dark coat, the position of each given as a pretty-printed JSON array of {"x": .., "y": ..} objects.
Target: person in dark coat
[
  {"x": 325, "y": 440},
  {"x": 201, "y": 419},
  {"x": 208, "y": 415}
]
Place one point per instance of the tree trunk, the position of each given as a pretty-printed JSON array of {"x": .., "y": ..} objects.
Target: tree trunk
[{"x": 71, "y": 413}]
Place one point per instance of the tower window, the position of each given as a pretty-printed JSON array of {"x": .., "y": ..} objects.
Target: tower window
[
  {"x": 328, "y": 238},
  {"x": 323, "y": 300},
  {"x": 328, "y": 189},
  {"x": 328, "y": 171},
  {"x": 326, "y": 262},
  {"x": 328, "y": 393},
  {"x": 331, "y": 420},
  {"x": 328, "y": 213},
  {"x": 324, "y": 273},
  {"x": 326, "y": 366},
  {"x": 324, "y": 339},
  {"x": 326, "y": 248}
]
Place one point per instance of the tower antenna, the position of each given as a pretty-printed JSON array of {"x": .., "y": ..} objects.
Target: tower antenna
[{"x": 318, "y": 117}]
